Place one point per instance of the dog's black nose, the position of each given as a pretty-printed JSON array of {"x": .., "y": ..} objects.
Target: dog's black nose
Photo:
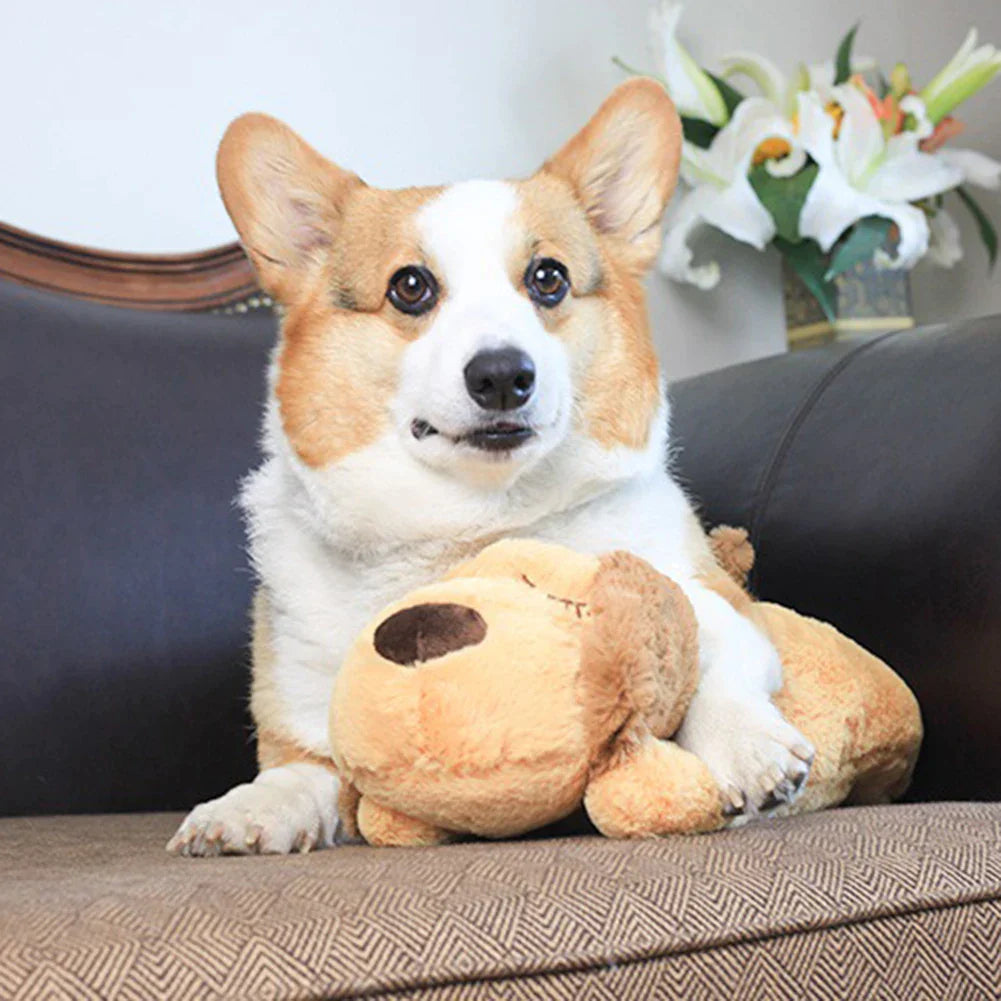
[{"x": 501, "y": 379}]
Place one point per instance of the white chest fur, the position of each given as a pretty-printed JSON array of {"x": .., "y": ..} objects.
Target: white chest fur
[{"x": 332, "y": 548}]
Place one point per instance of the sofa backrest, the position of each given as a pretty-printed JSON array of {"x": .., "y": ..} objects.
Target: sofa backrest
[
  {"x": 870, "y": 476},
  {"x": 124, "y": 585}
]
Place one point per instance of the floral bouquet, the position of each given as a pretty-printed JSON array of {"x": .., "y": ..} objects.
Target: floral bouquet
[{"x": 835, "y": 165}]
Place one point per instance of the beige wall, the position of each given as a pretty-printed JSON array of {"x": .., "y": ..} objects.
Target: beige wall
[
  {"x": 115, "y": 108},
  {"x": 742, "y": 318}
]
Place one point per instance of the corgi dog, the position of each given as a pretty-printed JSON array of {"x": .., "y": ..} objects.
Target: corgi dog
[{"x": 454, "y": 365}]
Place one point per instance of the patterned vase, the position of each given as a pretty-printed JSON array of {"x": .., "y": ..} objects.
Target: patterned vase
[{"x": 868, "y": 301}]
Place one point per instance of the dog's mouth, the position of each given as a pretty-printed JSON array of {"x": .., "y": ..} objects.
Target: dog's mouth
[{"x": 499, "y": 436}]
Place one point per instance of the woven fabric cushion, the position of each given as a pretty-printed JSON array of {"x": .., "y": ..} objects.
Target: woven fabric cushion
[{"x": 898, "y": 901}]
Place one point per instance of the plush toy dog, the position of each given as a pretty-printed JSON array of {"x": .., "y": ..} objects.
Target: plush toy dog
[{"x": 533, "y": 678}]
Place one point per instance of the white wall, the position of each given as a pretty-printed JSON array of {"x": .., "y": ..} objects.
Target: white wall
[{"x": 113, "y": 110}]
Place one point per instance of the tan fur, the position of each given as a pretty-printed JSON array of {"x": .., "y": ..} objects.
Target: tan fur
[
  {"x": 546, "y": 566},
  {"x": 284, "y": 198},
  {"x": 342, "y": 344},
  {"x": 640, "y": 622},
  {"x": 654, "y": 788},
  {"x": 733, "y": 552},
  {"x": 466, "y": 741},
  {"x": 569, "y": 698},
  {"x": 348, "y": 801},
  {"x": 605, "y": 323},
  {"x": 435, "y": 748},
  {"x": 335, "y": 375},
  {"x": 620, "y": 394},
  {"x": 636, "y": 133},
  {"x": 636, "y": 130},
  {"x": 325, "y": 244},
  {"x": 863, "y": 720},
  {"x": 382, "y": 825},
  {"x": 273, "y": 750}
]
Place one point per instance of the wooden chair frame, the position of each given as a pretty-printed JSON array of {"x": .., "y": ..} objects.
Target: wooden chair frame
[{"x": 219, "y": 279}]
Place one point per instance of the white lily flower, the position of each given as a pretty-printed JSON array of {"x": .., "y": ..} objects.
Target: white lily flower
[
  {"x": 774, "y": 85},
  {"x": 822, "y": 75},
  {"x": 862, "y": 173},
  {"x": 721, "y": 194},
  {"x": 915, "y": 107},
  {"x": 977, "y": 168},
  {"x": 969, "y": 69},
  {"x": 690, "y": 87},
  {"x": 945, "y": 248},
  {"x": 781, "y": 89}
]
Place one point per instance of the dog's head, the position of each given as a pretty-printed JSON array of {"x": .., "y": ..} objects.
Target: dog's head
[{"x": 470, "y": 330}]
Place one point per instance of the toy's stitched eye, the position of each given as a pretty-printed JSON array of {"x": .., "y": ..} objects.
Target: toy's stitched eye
[
  {"x": 412, "y": 290},
  {"x": 547, "y": 281}
]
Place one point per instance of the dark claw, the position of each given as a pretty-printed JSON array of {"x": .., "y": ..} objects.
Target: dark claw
[
  {"x": 734, "y": 803},
  {"x": 773, "y": 800}
]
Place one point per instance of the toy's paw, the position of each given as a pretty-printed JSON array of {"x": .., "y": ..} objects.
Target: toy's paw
[
  {"x": 286, "y": 809},
  {"x": 758, "y": 760}
]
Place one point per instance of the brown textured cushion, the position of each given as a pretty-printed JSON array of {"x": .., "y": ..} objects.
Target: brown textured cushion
[{"x": 897, "y": 901}]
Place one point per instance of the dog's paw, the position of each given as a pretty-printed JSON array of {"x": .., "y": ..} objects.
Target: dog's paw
[
  {"x": 286, "y": 809},
  {"x": 758, "y": 759}
]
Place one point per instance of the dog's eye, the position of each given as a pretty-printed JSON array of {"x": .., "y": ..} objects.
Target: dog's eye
[
  {"x": 413, "y": 290},
  {"x": 547, "y": 281}
]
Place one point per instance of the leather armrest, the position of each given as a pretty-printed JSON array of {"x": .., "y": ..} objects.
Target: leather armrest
[{"x": 869, "y": 475}]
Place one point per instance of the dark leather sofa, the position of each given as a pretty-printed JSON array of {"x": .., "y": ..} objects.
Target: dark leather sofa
[{"x": 870, "y": 477}]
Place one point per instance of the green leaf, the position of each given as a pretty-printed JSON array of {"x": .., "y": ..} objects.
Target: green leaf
[
  {"x": 633, "y": 71},
  {"x": 810, "y": 263},
  {"x": 987, "y": 231},
  {"x": 784, "y": 197},
  {"x": 864, "y": 239},
  {"x": 699, "y": 132},
  {"x": 731, "y": 96},
  {"x": 843, "y": 62}
]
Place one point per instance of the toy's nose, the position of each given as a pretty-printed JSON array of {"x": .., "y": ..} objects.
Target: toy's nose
[
  {"x": 500, "y": 380},
  {"x": 424, "y": 632}
]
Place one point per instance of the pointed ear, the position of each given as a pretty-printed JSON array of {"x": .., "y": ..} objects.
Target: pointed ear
[
  {"x": 283, "y": 197},
  {"x": 623, "y": 165}
]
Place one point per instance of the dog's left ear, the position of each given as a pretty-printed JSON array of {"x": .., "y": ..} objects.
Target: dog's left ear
[{"x": 623, "y": 165}]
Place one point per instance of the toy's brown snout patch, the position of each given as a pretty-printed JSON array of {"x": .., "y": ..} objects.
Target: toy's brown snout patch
[{"x": 424, "y": 632}]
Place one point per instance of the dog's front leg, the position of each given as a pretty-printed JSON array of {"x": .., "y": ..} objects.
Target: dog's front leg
[
  {"x": 291, "y": 807},
  {"x": 757, "y": 758}
]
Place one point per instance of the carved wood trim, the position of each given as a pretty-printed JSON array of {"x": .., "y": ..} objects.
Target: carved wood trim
[{"x": 192, "y": 283}]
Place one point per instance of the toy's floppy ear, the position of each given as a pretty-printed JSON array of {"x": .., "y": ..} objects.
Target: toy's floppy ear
[
  {"x": 623, "y": 165},
  {"x": 283, "y": 197},
  {"x": 640, "y": 651}
]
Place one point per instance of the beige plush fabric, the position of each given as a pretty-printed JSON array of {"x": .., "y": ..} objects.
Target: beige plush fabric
[{"x": 894, "y": 902}]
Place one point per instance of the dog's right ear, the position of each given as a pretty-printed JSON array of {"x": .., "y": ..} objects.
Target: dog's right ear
[{"x": 283, "y": 197}]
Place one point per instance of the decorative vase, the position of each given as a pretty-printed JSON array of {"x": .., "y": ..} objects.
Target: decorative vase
[{"x": 868, "y": 301}]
